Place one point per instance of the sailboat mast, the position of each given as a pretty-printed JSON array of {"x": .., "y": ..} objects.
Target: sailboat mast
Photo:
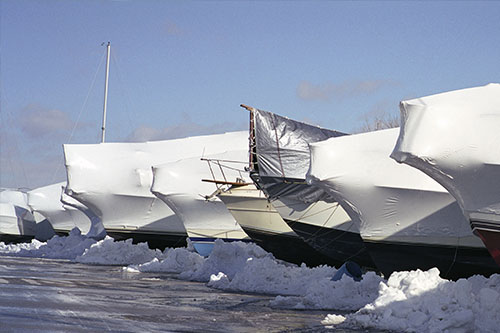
[{"x": 105, "y": 93}]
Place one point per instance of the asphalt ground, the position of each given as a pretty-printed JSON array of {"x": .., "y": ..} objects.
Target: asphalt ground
[{"x": 45, "y": 295}]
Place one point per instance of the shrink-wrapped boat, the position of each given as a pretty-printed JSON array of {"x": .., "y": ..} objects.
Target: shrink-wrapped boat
[
  {"x": 63, "y": 212},
  {"x": 17, "y": 223},
  {"x": 114, "y": 181},
  {"x": 407, "y": 220},
  {"x": 279, "y": 160},
  {"x": 454, "y": 137},
  {"x": 189, "y": 187},
  {"x": 261, "y": 221}
]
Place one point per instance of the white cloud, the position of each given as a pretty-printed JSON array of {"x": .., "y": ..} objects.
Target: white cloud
[
  {"x": 31, "y": 146},
  {"x": 172, "y": 29},
  {"x": 328, "y": 91},
  {"x": 37, "y": 122},
  {"x": 185, "y": 129},
  {"x": 23, "y": 171}
]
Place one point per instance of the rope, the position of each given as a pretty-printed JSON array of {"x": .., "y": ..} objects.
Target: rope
[
  {"x": 125, "y": 96},
  {"x": 455, "y": 254},
  {"x": 79, "y": 115}
]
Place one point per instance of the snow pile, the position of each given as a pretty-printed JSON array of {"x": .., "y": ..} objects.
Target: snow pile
[
  {"x": 238, "y": 266},
  {"x": 418, "y": 301},
  {"x": 176, "y": 261},
  {"x": 323, "y": 293},
  {"x": 227, "y": 257},
  {"x": 14, "y": 249},
  {"x": 267, "y": 275},
  {"x": 415, "y": 301},
  {"x": 57, "y": 247},
  {"x": 109, "y": 252}
]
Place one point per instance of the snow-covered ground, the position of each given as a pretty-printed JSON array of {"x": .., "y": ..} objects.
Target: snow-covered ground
[{"x": 416, "y": 301}]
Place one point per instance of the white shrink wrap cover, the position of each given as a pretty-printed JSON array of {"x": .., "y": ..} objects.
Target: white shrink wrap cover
[
  {"x": 114, "y": 180},
  {"x": 46, "y": 200},
  {"x": 16, "y": 219},
  {"x": 406, "y": 218},
  {"x": 180, "y": 185},
  {"x": 454, "y": 137}
]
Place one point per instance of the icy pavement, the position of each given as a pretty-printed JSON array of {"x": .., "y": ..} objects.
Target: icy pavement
[
  {"x": 49, "y": 295},
  {"x": 238, "y": 288}
]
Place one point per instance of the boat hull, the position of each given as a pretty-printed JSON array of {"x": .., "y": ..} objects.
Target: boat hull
[
  {"x": 289, "y": 248},
  {"x": 325, "y": 226},
  {"x": 453, "y": 262},
  {"x": 14, "y": 239},
  {"x": 204, "y": 220},
  {"x": 142, "y": 218},
  {"x": 155, "y": 240},
  {"x": 491, "y": 239},
  {"x": 16, "y": 223},
  {"x": 262, "y": 222},
  {"x": 340, "y": 245},
  {"x": 47, "y": 202},
  {"x": 436, "y": 137},
  {"x": 114, "y": 181}
]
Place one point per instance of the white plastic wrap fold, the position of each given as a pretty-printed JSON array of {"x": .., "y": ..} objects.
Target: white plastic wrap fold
[
  {"x": 114, "y": 179},
  {"x": 390, "y": 201},
  {"x": 179, "y": 184},
  {"x": 454, "y": 137},
  {"x": 16, "y": 218},
  {"x": 63, "y": 218}
]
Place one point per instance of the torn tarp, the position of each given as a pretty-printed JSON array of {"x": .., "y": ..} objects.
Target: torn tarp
[{"x": 281, "y": 146}]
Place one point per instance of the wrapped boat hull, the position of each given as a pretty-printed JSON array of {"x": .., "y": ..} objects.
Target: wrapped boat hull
[{"x": 453, "y": 137}]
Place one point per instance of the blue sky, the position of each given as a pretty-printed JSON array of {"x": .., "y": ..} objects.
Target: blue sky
[{"x": 182, "y": 68}]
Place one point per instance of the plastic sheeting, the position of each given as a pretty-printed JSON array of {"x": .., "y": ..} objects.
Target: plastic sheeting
[
  {"x": 282, "y": 150},
  {"x": 16, "y": 218},
  {"x": 282, "y": 144},
  {"x": 390, "y": 201},
  {"x": 454, "y": 137},
  {"x": 46, "y": 200},
  {"x": 114, "y": 179},
  {"x": 179, "y": 184}
]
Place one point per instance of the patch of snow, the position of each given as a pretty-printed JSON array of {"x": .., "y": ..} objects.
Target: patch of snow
[
  {"x": 344, "y": 294},
  {"x": 226, "y": 257},
  {"x": 14, "y": 249},
  {"x": 176, "y": 261},
  {"x": 58, "y": 247},
  {"x": 415, "y": 301},
  {"x": 421, "y": 301},
  {"x": 333, "y": 319},
  {"x": 109, "y": 252}
]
